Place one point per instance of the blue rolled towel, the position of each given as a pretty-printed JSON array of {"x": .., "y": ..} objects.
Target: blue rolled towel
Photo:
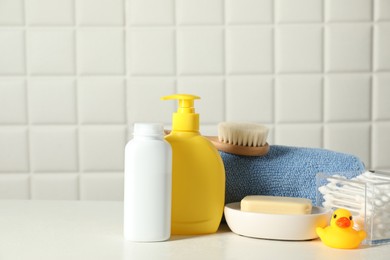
[{"x": 284, "y": 171}]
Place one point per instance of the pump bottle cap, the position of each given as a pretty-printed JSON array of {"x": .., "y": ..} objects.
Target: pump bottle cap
[{"x": 185, "y": 119}]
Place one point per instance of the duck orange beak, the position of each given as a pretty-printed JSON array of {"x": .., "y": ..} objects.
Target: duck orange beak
[{"x": 343, "y": 222}]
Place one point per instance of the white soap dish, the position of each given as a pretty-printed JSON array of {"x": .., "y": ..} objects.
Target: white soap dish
[{"x": 275, "y": 226}]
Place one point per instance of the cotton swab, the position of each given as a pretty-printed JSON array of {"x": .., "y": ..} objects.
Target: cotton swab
[
  {"x": 335, "y": 204},
  {"x": 352, "y": 197},
  {"x": 378, "y": 174}
]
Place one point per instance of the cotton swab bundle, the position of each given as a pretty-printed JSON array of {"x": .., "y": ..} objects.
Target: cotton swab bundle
[
  {"x": 367, "y": 196},
  {"x": 379, "y": 199}
]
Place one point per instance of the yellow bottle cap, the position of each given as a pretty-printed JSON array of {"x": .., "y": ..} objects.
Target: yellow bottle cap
[{"x": 185, "y": 119}]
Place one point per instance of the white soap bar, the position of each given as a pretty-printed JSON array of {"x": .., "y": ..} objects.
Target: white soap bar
[{"x": 276, "y": 205}]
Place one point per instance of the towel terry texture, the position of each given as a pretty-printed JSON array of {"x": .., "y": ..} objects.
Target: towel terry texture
[{"x": 284, "y": 171}]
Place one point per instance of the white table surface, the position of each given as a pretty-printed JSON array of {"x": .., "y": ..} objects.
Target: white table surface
[{"x": 93, "y": 230}]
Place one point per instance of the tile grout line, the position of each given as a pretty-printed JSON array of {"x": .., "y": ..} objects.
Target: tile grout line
[
  {"x": 26, "y": 82},
  {"x": 176, "y": 42},
  {"x": 323, "y": 75},
  {"x": 176, "y": 57},
  {"x": 372, "y": 81},
  {"x": 127, "y": 35},
  {"x": 347, "y": 73},
  {"x": 126, "y": 31},
  {"x": 222, "y": 25},
  {"x": 274, "y": 71},
  {"x": 225, "y": 49},
  {"x": 77, "y": 89}
]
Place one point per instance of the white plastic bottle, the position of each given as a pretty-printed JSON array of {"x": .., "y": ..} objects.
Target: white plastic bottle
[{"x": 148, "y": 185}]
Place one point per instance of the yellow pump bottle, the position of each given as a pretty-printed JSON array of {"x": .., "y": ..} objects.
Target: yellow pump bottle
[{"x": 198, "y": 174}]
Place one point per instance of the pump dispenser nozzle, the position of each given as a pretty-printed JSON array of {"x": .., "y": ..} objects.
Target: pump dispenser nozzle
[{"x": 185, "y": 119}]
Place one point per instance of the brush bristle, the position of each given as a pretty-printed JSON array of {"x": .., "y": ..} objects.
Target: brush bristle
[{"x": 244, "y": 134}]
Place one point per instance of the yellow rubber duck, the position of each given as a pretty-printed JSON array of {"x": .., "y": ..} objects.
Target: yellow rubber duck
[{"x": 340, "y": 233}]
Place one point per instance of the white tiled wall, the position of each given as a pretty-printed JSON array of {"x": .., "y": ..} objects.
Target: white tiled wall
[{"x": 75, "y": 74}]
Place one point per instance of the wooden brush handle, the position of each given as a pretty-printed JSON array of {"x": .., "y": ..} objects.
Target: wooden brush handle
[{"x": 239, "y": 149}]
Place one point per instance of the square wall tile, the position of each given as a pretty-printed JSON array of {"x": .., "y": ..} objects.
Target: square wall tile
[
  {"x": 102, "y": 186},
  {"x": 100, "y": 12},
  {"x": 52, "y": 101},
  {"x": 14, "y": 187},
  {"x": 102, "y": 148},
  {"x": 353, "y": 138},
  {"x": 302, "y": 135},
  {"x": 381, "y": 97},
  {"x": 209, "y": 130},
  {"x": 13, "y": 95},
  {"x": 13, "y": 149},
  {"x": 381, "y": 47},
  {"x": 348, "y": 10},
  {"x": 294, "y": 106},
  {"x": 210, "y": 106},
  {"x": 11, "y": 12},
  {"x": 152, "y": 52},
  {"x": 249, "y": 50},
  {"x": 50, "y": 12},
  {"x": 347, "y": 98},
  {"x": 144, "y": 102},
  {"x": 382, "y": 10},
  {"x": 12, "y": 52},
  {"x": 250, "y": 99},
  {"x": 200, "y": 51},
  {"x": 298, "y": 10},
  {"x": 51, "y": 52},
  {"x": 130, "y": 130},
  {"x": 102, "y": 100},
  {"x": 141, "y": 13},
  {"x": 271, "y": 134},
  {"x": 380, "y": 146},
  {"x": 249, "y": 11},
  {"x": 101, "y": 51},
  {"x": 299, "y": 48},
  {"x": 200, "y": 11},
  {"x": 348, "y": 47},
  {"x": 53, "y": 149},
  {"x": 54, "y": 186}
]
